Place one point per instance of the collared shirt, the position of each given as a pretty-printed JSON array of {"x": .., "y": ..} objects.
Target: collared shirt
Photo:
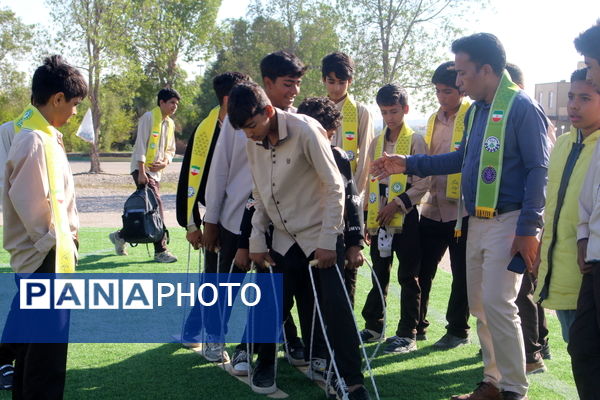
[
  {"x": 436, "y": 205},
  {"x": 229, "y": 180},
  {"x": 525, "y": 162},
  {"x": 297, "y": 187},
  {"x": 28, "y": 227},
  {"x": 7, "y": 133},
  {"x": 365, "y": 137},
  {"x": 163, "y": 152}
]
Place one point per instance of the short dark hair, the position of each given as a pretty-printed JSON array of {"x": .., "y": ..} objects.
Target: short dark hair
[
  {"x": 282, "y": 63},
  {"x": 588, "y": 42},
  {"x": 579, "y": 75},
  {"x": 339, "y": 63},
  {"x": 323, "y": 110},
  {"x": 56, "y": 76},
  {"x": 516, "y": 74},
  {"x": 223, "y": 83},
  {"x": 167, "y": 94},
  {"x": 245, "y": 101},
  {"x": 445, "y": 75},
  {"x": 482, "y": 48},
  {"x": 392, "y": 94}
]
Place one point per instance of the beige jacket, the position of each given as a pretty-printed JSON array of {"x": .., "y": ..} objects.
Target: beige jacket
[
  {"x": 165, "y": 152},
  {"x": 28, "y": 226},
  {"x": 297, "y": 187},
  {"x": 589, "y": 208},
  {"x": 7, "y": 133}
]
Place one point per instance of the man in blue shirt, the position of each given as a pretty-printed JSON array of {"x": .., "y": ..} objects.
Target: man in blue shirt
[{"x": 517, "y": 218}]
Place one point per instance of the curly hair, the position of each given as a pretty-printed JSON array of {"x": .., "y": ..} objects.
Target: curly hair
[{"x": 323, "y": 110}]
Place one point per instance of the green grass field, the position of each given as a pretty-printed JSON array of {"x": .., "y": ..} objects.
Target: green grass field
[{"x": 168, "y": 371}]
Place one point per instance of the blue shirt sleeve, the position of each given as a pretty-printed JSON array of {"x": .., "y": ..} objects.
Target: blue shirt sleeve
[
  {"x": 424, "y": 165},
  {"x": 532, "y": 140}
]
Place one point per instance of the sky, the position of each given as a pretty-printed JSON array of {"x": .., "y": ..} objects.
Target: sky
[{"x": 537, "y": 34}]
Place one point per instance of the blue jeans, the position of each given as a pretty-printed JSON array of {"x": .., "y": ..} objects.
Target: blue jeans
[{"x": 566, "y": 318}]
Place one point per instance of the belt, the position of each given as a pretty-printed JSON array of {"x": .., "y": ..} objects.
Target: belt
[{"x": 505, "y": 209}]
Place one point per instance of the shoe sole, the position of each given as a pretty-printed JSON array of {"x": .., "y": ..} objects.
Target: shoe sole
[
  {"x": 264, "y": 390},
  {"x": 445, "y": 347},
  {"x": 400, "y": 351},
  {"x": 537, "y": 371},
  {"x": 240, "y": 372}
]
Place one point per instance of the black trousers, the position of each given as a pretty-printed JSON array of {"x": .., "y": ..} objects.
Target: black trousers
[
  {"x": 8, "y": 353},
  {"x": 40, "y": 368},
  {"x": 406, "y": 247},
  {"x": 215, "y": 263},
  {"x": 584, "y": 337},
  {"x": 533, "y": 319},
  {"x": 435, "y": 237},
  {"x": 337, "y": 314}
]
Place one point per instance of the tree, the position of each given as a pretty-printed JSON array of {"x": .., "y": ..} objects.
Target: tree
[
  {"x": 99, "y": 29},
  {"x": 16, "y": 42},
  {"x": 399, "y": 40},
  {"x": 165, "y": 32}
]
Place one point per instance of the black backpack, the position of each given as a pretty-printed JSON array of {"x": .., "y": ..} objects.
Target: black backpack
[{"x": 141, "y": 218}]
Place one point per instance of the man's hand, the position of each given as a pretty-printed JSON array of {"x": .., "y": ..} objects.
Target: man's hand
[
  {"x": 210, "y": 240},
  {"x": 527, "y": 246},
  {"x": 142, "y": 178},
  {"x": 325, "y": 258},
  {"x": 535, "y": 268},
  {"x": 157, "y": 166},
  {"x": 355, "y": 257},
  {"x": 584, "y": 267},
  {"x": 387, "y": 165},
  {"x": 195, "y": 238},
  {"x": 386, "y": 215},
  {"x": 242, "y": 259},
  {"x": 261, "y": 259}
]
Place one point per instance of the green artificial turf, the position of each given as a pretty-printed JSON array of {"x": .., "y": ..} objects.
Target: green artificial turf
[{"x": 168, "y": 371}]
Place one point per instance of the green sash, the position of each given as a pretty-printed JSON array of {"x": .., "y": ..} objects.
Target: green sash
[
  {"x": 32, "y": 119},
  {"x": 350, "y": 130},
  {"x": 154, "y": 139},
  {"x": 202, "y": 140}
]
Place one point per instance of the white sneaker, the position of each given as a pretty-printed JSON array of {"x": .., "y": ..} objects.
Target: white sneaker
[
  {"x": 119, "y": 243},
  {"x": 239, "y": 363},
  {"x": 215, "y": 352},
  {"x": 318, "y": 370},
  {"x": 165, "y": 257}
]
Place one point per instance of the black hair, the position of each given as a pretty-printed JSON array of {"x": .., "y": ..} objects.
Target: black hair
[
  {"x": 482, "y": 48},
  {"x": 392, "y": 94},
  {"x": 282, "y": 63},
  {"x": 579, "y": 75},
  {"x": 445, "y": 75},
  {"x": 223, "y": 83},
  {"x": 56, "y": 76},
  {"x": 246, "y": 100},
  {"x": 588, "y": 42},
  {"x": 516, "y": 75},
  {"x": 167, "y": 94},
  {"x": 339, "y": 63},
  {"x": 323, "y": 110}
]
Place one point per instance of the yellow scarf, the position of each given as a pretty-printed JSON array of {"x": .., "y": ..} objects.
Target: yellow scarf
[
  {"x": 396, "y": 186},
  {"x": 203, "y": 137},
  {"x": 32, "y": 119},
  {"x": 155, "y": 135},
  {"x": 350, "y": 130},
  {"x": 453, "y": 183}
]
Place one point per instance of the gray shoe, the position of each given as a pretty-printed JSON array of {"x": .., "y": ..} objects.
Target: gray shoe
[
  {"x": 239, "y": 363},
  {"x": 119, "y": 243},
  {"x": 449, "y": 341},
  {"x": 318, "y": 370},
  {"x": 6, "y": 377},
  {"x": 215, "y": 352},
  {"x": 165, "y": 257},
  {"x": 401, "y": 345}
]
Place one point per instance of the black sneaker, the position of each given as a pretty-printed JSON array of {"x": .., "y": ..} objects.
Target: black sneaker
[
  {"x": 294, "y": 349},
  {"x": 449, "y": 341},
  {"x": 421, "y": 337},
  {"x": 370, "y": 336},
  {"x": 506, "y": 395},
  {"x": 263, "y": 378},
  {"x": 339, "y": 390},
  {"x": 6, "y": 377},
  {"x": 239, "y": 363}
]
